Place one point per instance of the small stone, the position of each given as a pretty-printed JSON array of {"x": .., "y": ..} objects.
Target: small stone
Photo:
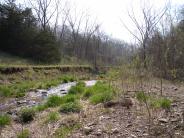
[
  {"x": 87, "y": 130},
  {"x": 21, "y": 102},
  {"x": 133, "y": 136},
  {"x": 129, "y": 125},
  {"x": 145, "y": 134},
  {"x": 174, "y": 120},
  {"x": 115, "y": 130},
  {"x": 99, "y": 132},
  {"x": 163, "y": 120}
]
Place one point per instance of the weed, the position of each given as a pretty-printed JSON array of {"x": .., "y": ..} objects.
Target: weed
[
  {"x": 40, "y": 107},
  {"x": 5, "y": 91},
  {"x": 70, "y": 107},
  {"x": 54, "y": 101},
  {"x": 23, "y": 134},
  {"x": 4, "y": 120},
  {"x": 78, "y": 89},
  {"x": 64, "y": 131},
  {"x": 99, "y": 93},
  {"x": 142, "y": 97},
  {"x": 52, "y": 117}
]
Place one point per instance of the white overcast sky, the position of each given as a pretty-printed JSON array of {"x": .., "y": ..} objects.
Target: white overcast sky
[{"x": 109, "y": 13}]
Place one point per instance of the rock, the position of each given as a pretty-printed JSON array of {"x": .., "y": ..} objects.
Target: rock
[
  {"x": 87, "y": 130},
  {"x": 163, "y": 120},
  {"x": 91, "y": 124},
  {"x": 99, "y": 132},
  {"x": 174, "y": 105},
  {"x": 133, "y": 136},
  {"x": 127, "y": 102},
  {"x": 115, "y": 131},
  {"x": 129, "y": 125},
  {"x": 104, "y": 117},
  {"x": 145, "y": 134},
  {"x": 21, "y": 102},
  {"x": 110, "y": 104},
  {"x": 174, "y": 120}
]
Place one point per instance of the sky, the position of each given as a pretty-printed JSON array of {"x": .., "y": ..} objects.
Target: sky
[{"x": 111, "y": 13}]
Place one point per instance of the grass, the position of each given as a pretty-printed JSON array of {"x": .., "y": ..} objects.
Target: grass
[
  {"x": 24, "y": 134},
  {"x": 73, "y": 107},
  {"x": 163, "y": 103},
  {"x": 19, "y": 86},
  {"x": 78, "y": 89},
  {"x": 99, "y": 93},
  {"x": 4, "y": 120},
  {"x": 27, "y": 115},
  {"x": 54, "y": 101},
  {"x": 52, "y": 117},
  {"x": 64, "y": 131}
]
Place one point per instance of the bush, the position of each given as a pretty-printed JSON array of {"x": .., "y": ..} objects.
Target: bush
[
  {"x": 52, "y": 117},
  {"x": 4, "y": 120},
  {"x": 27, "y": 115},
  {"x": 70, "y": 107},
  {"x": 23, "y": 134},
  {"x": 54, "y": 101},
  {"x": 78, "y": 89}
]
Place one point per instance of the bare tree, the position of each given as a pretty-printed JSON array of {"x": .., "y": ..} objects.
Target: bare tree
[
  {"x": 46, "y": 10},
  {"x": 146, "y": 27}
]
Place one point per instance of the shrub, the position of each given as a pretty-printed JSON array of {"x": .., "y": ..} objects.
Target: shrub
[
  {"x": 23, "y": 134},
  {"x": 52, "y": 117},
  {"x": 27, "y": 115},
  {"x": 79, "y": 88},
  {"x": 4, "y": 120},
  {"x": 70, "y": 107},
  {"x": 54, "y": 101}
]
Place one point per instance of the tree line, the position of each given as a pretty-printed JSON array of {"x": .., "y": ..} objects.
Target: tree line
[{"x": 35, "y": 33}]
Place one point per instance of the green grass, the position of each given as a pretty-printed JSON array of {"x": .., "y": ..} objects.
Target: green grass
[
  {"x": 73, "y": 107},
  {"x": 24, "y": 134},
  {"x": 99, "y": 93},
  {"x": 163, "y": 103},
  {"x": 4, "y": 120},
  {"x": 78, "y": 89},
  {"x": 142, "y": 97},
  {"x": 64, "y": 131},
  {"x": 40, "y": 107},
  {"x": 52, "y": 117},
  {"x": 54, "y": 101}
]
